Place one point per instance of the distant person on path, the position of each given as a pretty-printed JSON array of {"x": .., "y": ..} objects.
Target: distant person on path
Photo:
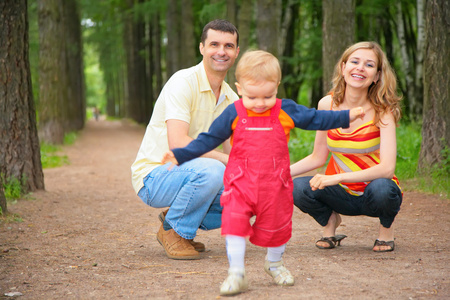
[
  {"x": 257, "y": 176},
  {"x": 96, "y": 113},
  {"x": 190, "y": 100},
  {"x": 359, "y": 179}
]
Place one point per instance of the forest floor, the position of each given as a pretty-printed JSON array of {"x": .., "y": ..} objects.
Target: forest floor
[{"x": 88, "y": 236}]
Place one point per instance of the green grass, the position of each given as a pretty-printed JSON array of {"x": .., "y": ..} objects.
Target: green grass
[
  {"x": 12, "y": 187},
  {"x": 409, "y": 140},
  {"x": 301, "y": 144},
  {"x": 10, "y": 218},
  {"x": 50, "y": 157}
]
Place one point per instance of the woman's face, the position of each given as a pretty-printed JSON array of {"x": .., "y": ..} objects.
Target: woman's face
[{"x": 361, "y": 69}]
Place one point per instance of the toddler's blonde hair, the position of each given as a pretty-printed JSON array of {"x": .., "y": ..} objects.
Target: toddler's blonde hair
[{"x": 257, "y": 66}]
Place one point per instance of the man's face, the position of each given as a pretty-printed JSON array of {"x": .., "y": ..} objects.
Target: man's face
[{"x": 219, "y": 51}]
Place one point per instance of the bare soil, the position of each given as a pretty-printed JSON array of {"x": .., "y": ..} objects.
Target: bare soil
[{"x": 88, "y": 236}]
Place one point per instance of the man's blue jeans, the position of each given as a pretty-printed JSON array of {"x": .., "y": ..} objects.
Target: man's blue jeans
[
  {"x": 382, "y": 198},
  {"x": 191, "y": 190}
]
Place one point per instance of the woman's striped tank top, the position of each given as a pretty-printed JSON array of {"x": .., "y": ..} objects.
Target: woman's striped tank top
[{"x": 354, "y": 151}]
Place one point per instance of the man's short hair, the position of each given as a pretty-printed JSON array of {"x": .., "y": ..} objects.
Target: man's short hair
[{"x": 220, "y": 25}]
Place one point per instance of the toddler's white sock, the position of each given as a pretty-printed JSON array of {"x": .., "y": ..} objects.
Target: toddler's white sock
[
  {"x": 236, "y": 252},
  {"x": 275, "y": 253}
]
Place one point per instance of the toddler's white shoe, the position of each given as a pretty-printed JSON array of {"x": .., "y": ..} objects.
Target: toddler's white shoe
[
  {"x": 235, "y": 283},
  {"x": 279, "y": 273}
]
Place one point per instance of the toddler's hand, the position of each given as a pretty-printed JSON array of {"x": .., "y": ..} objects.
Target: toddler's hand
[
  {"x": 357, "y": 112},
  {"x": 169, "y": 157}
]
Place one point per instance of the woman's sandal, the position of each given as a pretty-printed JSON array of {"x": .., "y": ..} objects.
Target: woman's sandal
[
  {"x": 332, "y": 241},
  {"x": 379, "y": 243}
]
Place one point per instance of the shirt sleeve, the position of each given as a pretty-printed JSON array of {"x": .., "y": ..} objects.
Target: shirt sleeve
[
  {"x": 219, "y": 131},
  {"x": 313, "y": 119}
]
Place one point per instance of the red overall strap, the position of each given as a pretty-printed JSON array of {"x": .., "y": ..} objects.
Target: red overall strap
[{"x": 242, "y": 111}]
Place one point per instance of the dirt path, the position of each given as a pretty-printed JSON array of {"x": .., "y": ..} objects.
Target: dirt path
[{"x": 88, "y": 236}]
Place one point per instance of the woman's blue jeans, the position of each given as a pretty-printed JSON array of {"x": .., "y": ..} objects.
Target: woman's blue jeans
[
  {"x": 382, "y": 199},
  {"x": 191, "y": 190}
]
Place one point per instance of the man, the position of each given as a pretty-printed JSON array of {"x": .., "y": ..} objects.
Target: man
[{"x": 191, "y": 99}]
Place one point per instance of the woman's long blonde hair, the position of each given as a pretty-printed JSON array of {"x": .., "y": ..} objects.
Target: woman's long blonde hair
[{"x": 383, "y": 94}]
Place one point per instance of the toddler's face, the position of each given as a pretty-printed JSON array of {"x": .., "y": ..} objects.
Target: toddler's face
[{"x": 258, "y": 97}]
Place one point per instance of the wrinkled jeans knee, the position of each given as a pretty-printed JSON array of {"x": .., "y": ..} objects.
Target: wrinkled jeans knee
[{"x": 383, "y": 199}]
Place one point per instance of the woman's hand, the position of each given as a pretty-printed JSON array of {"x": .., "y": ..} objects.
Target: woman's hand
[{"x": 320, "y": 181}]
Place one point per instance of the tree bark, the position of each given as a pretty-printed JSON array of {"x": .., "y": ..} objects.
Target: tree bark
[
  {"x": 173, "y": 40},
  {"x": 406, "y": 62},
  {"x": 75, "y": 70},
  {"x": 268, "y": 25},
  {"x": 232, "y": 17},
  {"x": 245, "y": 17},
  {"x": 436, "y": 110},
  {"x": 338, "y": 33},
  {"x": 136, "y": 68},
  {"x": 157, "y": 56},
  {"x": 3, "y": 204},
  {"x": 188, "y": 40},
  {"x": 53, "y": 80},
  {"x": 268, "y": 28},
  {"x": 19, "y": 144},
  {"x": 418, "y": 82},
  {"x": 290, "y": 69},
  {"x": 285, "y": 25}
]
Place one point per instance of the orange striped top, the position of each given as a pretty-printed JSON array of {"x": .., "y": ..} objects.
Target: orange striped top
[{"x": 354, "y": 151}]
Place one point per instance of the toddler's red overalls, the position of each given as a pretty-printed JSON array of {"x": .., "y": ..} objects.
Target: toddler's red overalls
[{"x": 257, "y": 181}]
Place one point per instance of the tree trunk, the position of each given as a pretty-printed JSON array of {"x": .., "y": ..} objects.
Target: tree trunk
[
  {"x": 406, "y": 62},
  {"x": 188, "y": 40},
  {"x": 418, "y": 82},
  {"x": 268, "y": 28},
  {"x": 19, "y": 144},
  {"x": 157, "y": 56},
  {"x": 76, "y": 98},
  {"x": 3, "y": 205},
  {"x": 52, "y": 72},
  {"x": 136, "y": 68},
  {"x": 387, "y": 34},
  {"x": 338, "y": 33},
  {"x": 150, "y": 64},
  {"x": 245, "y": 17},
  {"x": 436, "y": 110},
  {"x": 285, "y": 25},
  {"x": 268, "y": 25},
  {"x": 289, "y": 69},
  {"x": 232, "y": 17},
  {"x": 173, "y": 40}
]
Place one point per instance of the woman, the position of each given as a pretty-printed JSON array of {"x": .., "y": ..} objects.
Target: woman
[{"x": 359, "y": 179}]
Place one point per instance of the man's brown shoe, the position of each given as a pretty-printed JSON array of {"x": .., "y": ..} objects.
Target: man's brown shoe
[
  {"x": 175, "y": 246},
  {"x": 200, "y": 247}
]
